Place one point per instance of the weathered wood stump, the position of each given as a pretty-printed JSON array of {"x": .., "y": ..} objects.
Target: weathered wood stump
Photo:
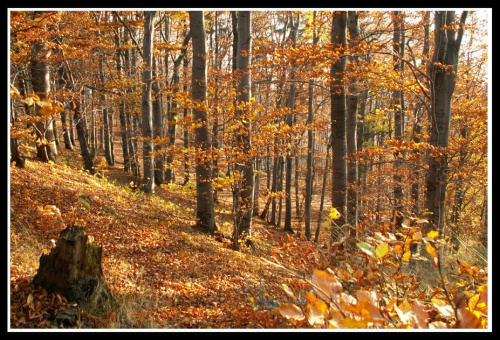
[{"x": 73, "y": 268}]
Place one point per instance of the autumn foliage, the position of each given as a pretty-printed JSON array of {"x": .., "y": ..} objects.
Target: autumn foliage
[{"x": 88, "y": 111}]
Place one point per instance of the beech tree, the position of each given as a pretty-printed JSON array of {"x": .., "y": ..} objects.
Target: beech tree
[
  {"x": 443, "y": 71},
  {"x": 338, "y": 115},
  {"x": 40, "y": 75},
  {"x": 205, "y": 214},
  {"x": 243, "y": 194},
  {"x": 147, "y": 107}
]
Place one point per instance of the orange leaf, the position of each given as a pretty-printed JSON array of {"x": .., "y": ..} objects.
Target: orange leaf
[
  {"x": 467, "y": 319},
  {"x": 326, "y": 285},
  {"x": 291, "y": 311}
]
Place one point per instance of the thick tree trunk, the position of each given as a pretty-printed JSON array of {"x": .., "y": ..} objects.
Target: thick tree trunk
[
  {"x": 147, "y": 114},
  {"x": 443, "y": 72},
  {"x": 338, "y": 116},
  {"x": 205, "y": 214},
  {"x": 244, "y": 196}
]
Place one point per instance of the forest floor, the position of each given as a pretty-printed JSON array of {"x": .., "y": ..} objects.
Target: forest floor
[
  {"x": 166, "y": 274},
  {"x": 162, "y": 271}
]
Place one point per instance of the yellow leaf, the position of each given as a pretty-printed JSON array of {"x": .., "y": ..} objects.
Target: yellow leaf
[
  {"x": 382, "y": 250},
  {"x": 406, "y": 256},
  {"x": 334, "y": 214},
  {"x": 430, "y": 250},
  {"x": 30, "y": 299},
  {"x": 433, "y": 234},
  {"x": 352, "y": 323}
]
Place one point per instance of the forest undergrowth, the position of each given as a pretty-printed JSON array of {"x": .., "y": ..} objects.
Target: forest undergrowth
[{"x": 165, "y": 274}]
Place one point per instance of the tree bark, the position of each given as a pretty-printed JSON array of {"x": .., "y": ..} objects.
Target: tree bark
[
  {"x": 397, "y": 101},
  {"x": 147, "y": 114},
  {"x": 351, "y": 124},
  {"x": 204, "y": 189},
  {"x": 40, "y": 73},
  {"x": 243, "y": 196},
  {"x": 172, "y": 112},
  {"x": 121, "y": 108},
  {"x": 290, "y": 104},
  {"x": 443, "y": 71},
  {"x": 108, "y": 149},
  {"x": 310, "y": 145},
  {"x": 338, "y": 116},
  {"x": 158, "y": 131},
  {"x": 81, "y": 130}
]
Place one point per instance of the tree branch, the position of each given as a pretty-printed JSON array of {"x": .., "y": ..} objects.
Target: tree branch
[{"x": 130, "y": 31}]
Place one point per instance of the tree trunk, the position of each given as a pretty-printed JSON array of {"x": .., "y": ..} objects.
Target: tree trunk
[
  {"x": 40, "y": 73},
  {"x": 81, "y": 130},
  {"x": 186, "y": 132},
  {"x": 323, "y": 190},
  {"x": 338, "y": 116},
  {"x": 205, "y": 214},
  {"x": 158, "y": 133},
  {"x": 121, "y": 107},
  {"x": 443, "y": 73},
  {"x": 244, "y": 196},
  {"x": 397, "y": 98},
  {"x": 310, "y": 145},
  {"x": 108, "y": 150},
  {"x": 147, "y": 116},
  {"x": 290, "y": 103},
  {"x": 172, "y": 112},
  {"x": 351, "y": 125}
]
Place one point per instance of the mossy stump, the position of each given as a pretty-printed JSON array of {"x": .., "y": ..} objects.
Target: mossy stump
[{"x": 73, "y": 268}]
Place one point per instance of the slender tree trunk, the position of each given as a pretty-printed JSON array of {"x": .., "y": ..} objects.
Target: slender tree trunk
[
  {"x": 186, "y": 132},
  {"x": 243, "y": 197},
  {"x": 290, "y": 104},
  {"x": 443, "y": 73},
  {"x": 397, "y": 98},
  {"x": 351, "y": 125},
  {"x": 81, "y": 130},
  {"x": 64, "y": 122},
  {"x": 121, "y": 107},
  {"x": 158, "y": 133},
  {"x": 147, "y": 109},
  {"x": 204, "y": 189},
  {"x": 310, "y": 145},
  {"x": 108, "y": 151},
  {"x": 40, "y": 73},
  {"x": 172, "y": 112},
  {"x": 417, "y": 129},
  {"x": 338, "y": 116},
  {"x": 323, "y": 191}
]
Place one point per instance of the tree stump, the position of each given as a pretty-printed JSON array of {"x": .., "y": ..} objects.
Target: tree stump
[{"x": 73, "y": 268}]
